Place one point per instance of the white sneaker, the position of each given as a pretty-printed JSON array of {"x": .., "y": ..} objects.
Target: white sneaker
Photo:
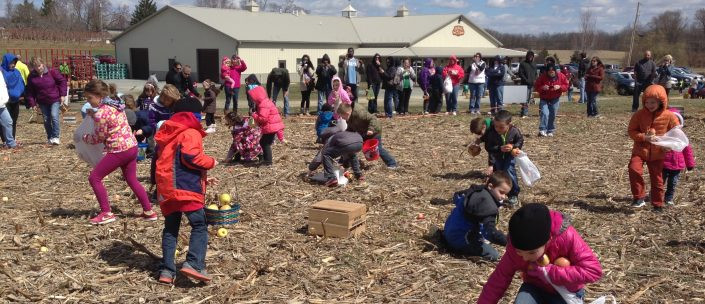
[
  {"x": 55, "y": 141},
  {"x": 210, "y": 130},
  {"x": 550, "y": 134},
  {"x": 542, "y": 134},
  {"x": 447, "y": 113},
  {"x": 455, "y": 113}
]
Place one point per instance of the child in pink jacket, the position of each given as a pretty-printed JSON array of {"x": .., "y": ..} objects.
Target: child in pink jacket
[
  {"x": 113, "y": 130},
  {"x": 267, "y": 118},
  {"x": 535, "y": 231},
  {"x": 673, "y": 163},
  {"x": 338, "y": 95}
]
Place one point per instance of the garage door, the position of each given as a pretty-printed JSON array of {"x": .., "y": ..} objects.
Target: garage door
[
  {"x": 139, "y": 63},
  {"x": 208, "y": 65}
]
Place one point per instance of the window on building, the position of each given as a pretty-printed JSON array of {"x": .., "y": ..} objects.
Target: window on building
[{"x": 282, "y": 64}]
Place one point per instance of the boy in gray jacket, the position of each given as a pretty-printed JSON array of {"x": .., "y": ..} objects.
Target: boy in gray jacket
[{"x": 342, "y": 144}]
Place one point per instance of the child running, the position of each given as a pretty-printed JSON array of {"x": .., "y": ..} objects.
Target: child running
[
  {"x": 503, "y": 143},
  {"x": 535, "y": 232},
  {"x": 245, "y": 146},
  {"x": 181, "y": 183},
  {"x": 472, "y": 224},
  {"x": 112, "y": 129},
  {"x": 673, "y": 163},
  {"x": 652, "y": 120},
  {"x": 267, "y": 118}
]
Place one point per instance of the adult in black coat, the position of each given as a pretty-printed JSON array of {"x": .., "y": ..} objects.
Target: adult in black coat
[{"x": 324, "y": 72}]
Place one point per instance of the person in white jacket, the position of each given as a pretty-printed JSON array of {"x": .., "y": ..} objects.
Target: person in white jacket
[
  {"x": 476, "y": 82},
  {"x": 5, "y": 118}
]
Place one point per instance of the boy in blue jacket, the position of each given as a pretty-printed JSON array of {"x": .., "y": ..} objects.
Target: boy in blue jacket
[
  {"x": 471, "y": 226},
  {"x": 325, "y": 117}
]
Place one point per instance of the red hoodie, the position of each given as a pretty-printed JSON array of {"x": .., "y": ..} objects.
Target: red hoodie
[
  {"x": 454, "y": 66},
  {"x": 181, "y": 164},
  {"x": 551, "y": 93}
]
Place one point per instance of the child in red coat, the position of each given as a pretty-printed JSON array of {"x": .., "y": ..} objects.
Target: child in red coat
[
  {"x": 267, "y": 118},
  {"x": 537, "y": 233}
]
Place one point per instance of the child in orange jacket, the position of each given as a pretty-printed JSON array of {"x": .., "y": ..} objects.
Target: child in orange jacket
[
  {"x": 654, "y": 119},
  {"x": 181, "y": 184}
]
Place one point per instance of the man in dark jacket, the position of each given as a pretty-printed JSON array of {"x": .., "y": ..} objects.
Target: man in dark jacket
[
  {"x": 374, "y": 73},
  {"x": 278, "y": 79},
  {"x": 188, "y": 85},
  {"x": 527, "y": 74},
  {"x": 173, "y": 77},
  {"x": 324, "y": 73},
  {"x": 391, "y": 78},
  {"x": 644, "y": 74},
  {"x": 583, "y": 66},
  {"x": 351, "y": 70}
]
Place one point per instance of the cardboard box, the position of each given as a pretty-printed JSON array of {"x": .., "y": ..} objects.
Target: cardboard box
[{"x": 336, "y": 219}]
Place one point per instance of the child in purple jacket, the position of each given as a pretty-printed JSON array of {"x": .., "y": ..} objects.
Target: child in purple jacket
[{"x": 673, "y": 163}]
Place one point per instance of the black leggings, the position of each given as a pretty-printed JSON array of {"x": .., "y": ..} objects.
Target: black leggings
[
  {"x": 404, "y": 106},
  {"x": 266, "y": 143},
  {"x": 210, "y": 119},
  {"x": 305, "y": 99}
]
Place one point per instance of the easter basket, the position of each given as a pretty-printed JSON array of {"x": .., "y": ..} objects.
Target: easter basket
[{"x": 223, "y": 217}]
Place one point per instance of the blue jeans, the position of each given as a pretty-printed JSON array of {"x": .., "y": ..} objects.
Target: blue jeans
[
  {"x": 476, "y": 91},
  {"x": 569, "y": 94},
  {"x": 198, "y": 243},
  {"x": 670, "y": 178},
  {"x": 6, "y": 126},
  {"x": 452, "y": 100},
  {"x": 51, "y": 119},
  {"x": 592, "y": 104},
  {"x": 322, "y": 98},
  {"x": 372, "y": 104},
  {"x": 275, "y": 94},
  {"x": 549, "y": 108},
  {"x": 390, "y": 95},
  {"x": 505, "y": 162},
  {"x": 525, "y": 106},
  {"x": 583, "y": 95},
  {"x": 530, "y": 294},
  {"x": 387, "y": 158},
  {"x": 496, "y": 103}
]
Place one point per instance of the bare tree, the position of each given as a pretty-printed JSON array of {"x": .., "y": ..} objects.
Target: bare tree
[
  {"x": 8, "y": 8},
  {"x": 669, "y": 26},
  {"x": 700, "y": 19},
  {"x": 588, "y": 29}
]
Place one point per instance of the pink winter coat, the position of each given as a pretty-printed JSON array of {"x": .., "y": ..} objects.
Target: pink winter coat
[
  {"x": 342, "y": 94},
  {"x": 677, "y": 161},
  {"x": 236, "y": 71},
  {"x": 267, "y": 115},
  {"x": 565, "y": 242},
  {"x": 225, "y": 73}
]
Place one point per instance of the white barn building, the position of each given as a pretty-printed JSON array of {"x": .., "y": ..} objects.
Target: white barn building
[{"x": 201, "y": 37}]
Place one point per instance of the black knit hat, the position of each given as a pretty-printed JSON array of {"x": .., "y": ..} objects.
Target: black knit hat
[
  {"x": 530, "y": 227},
  {"x": 188, "y": 104}
]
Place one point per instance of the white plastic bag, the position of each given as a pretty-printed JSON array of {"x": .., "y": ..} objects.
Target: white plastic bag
[
  {"x": 448, "y": 85},
  {"x": 92, "y": 154},
  {"x": 674, "y": 139},
  {"x": 529, "y": 173},
  {"x": 572, "y": 298}
]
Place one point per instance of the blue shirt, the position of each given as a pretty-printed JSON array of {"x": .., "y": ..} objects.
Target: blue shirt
[{"x": 352, "y": 70}]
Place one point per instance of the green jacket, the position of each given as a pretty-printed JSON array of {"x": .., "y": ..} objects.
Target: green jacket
[
  {"x": 64, "y": 69},
  {"x": 361, "y": 121}
]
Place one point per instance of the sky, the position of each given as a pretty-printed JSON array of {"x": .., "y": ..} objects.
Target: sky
[{"x": 510, "y": 16}]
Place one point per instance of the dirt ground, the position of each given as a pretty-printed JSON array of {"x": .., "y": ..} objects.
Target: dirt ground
[{"x": 268, "y": 257}]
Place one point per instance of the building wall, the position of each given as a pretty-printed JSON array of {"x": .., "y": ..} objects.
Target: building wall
[
  {"x": 172, "y": 35},
  {"x": 444, "y": 37}
]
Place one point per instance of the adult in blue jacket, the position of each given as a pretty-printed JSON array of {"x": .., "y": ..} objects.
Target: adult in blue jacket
[
  {"x": 15, "y": 89},
  {"x": 495, "y": 83}
]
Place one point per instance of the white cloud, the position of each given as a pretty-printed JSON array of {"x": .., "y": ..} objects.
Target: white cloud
[
  {"x": 477, "y": 17},
  {"x": 450, "y": 3},
  {"x": 509, "y": 3},
  {"x": 383, "y": 4}
]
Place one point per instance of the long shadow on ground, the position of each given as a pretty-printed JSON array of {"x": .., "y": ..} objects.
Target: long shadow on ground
[
  {"x": 459, "y": 176},
  {"x": 603, "y": 209}
]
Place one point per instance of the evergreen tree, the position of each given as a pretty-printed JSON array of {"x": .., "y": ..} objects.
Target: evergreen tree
[
  {"x": 555, "y": 56},
  {"x": 541, "y": 56},
  {"x": 144, "y": 9},
  {"x": 575, "y": 58},
  {"x": 48, "y": 8}
]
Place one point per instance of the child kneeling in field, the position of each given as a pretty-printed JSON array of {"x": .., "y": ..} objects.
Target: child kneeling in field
[
  {"x": 471, "y": 226},
  {"x": 537, "y": 233},
  {"x": 342, "y": 144},
  {"x": 245, "y": 146},
  {"x": 181, "y": 167}
]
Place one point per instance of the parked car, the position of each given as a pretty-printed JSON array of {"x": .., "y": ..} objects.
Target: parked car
[
  {"x": 624, "y": 82},
  {"x": 107, "y": 59},
  {"x": 612, "y": 66},
  {"x": 628, "y": 69},
  {"x": 679, "y": 74}
]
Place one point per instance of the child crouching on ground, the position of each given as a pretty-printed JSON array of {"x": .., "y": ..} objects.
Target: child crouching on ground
[
  {"x": 654, "y": 119},
  {"x": 535, "y": 232},
  {"x": 342, "y": 144},
  {"x": 113, "y": 130},
  {"x": 673, "y": 163},
  {"x": 472, "y": 225},
  {"x": 478, "y": 126},
  {"x": 325, "y": 117},
  {"x": 366, "y": 124},
  {"x": 267, "y": 118},
  {"x": 503, "y": 142},
  {"x": 245, "y": 146},
  {"x": 181, "y": 186}
]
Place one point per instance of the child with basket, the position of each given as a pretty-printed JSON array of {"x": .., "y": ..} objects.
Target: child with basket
[{"x": 181, "y": 168}]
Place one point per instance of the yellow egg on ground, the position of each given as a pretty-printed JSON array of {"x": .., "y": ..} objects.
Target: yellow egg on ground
[
  {"x": 225, "y": 207},
  {"x": 176, "y": 253},
  {"x": 5, "y": 199},
  {"x": 222, "y": 232},
  {"x": 225, "y": 198},
  {"x": 213, "y": 207},
  {"x": 43, "y": 249}
]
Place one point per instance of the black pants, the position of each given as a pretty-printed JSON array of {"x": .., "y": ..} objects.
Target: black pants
[
  {"x": 435, "y": 101},
  {"x": 210, "y": 119},
  {"x": 305, "y": 100},
  {"x": 404, "y": 104},
  {"x": 353, "y": 88},
  {"x": 266, "y": 143}
]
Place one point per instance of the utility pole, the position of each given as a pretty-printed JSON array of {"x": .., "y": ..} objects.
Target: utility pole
[{"x": 631, "y": 44}]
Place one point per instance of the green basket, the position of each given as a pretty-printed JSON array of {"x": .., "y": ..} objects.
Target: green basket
[{"x": 223, "y": 217}]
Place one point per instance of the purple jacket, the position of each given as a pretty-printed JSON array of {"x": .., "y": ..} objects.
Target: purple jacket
[
  {"x": 679, "y": 160},
  {"x": 425, "y": 75},
  {"x": 45, "y": 89}
]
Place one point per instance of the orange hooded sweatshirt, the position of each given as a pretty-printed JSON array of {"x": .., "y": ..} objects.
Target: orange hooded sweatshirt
[{"x": 661, "y": 120}]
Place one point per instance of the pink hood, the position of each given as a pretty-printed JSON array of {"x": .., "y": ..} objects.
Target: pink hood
[
  {"x": 565, "y": 242},
  {"x": 342, "y": 93},
  {"x": 267, "y": 115}
]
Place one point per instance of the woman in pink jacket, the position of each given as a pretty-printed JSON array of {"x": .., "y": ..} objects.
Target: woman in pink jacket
[
  {"x": 535, "y": 231},
  {"x": 673, "y": 163},
  {"x": 267, "y": 118},
  {"x": 237, "y": 67}
]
